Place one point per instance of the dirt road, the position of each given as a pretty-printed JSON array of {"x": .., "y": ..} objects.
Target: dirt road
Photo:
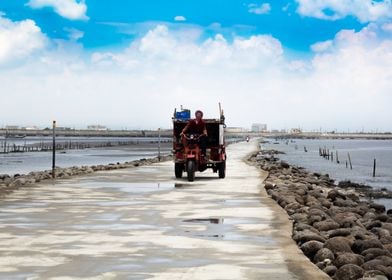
[{"x": 142, "y": 223}]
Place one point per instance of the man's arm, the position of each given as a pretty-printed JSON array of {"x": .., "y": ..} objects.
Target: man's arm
[
  {"x": 205, "y": 130},
  {"x": 184, "y": 130}
]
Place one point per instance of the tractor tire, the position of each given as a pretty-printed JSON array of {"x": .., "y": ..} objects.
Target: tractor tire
[
  {"x": 190, "y": 169},
  {"x": 222, "y": 170},
  {"x": 178, "y": 168}
]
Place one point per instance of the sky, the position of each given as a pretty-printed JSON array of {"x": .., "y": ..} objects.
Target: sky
[{"x": 315, "y": 65}]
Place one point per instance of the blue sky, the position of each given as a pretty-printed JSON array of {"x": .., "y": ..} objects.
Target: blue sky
[
  {"x": 295, "y": 31},
  {"x": 109, "y": 62}
]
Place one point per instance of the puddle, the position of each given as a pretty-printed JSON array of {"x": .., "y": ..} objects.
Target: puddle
[
  {"x": 129, "y": 187},
  {"x": 205, "y": 221}
]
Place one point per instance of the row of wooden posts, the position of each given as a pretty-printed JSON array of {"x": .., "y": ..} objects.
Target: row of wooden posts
[
  {"x": 61, "y": 146},
  {"x": 325, "y": 153}
]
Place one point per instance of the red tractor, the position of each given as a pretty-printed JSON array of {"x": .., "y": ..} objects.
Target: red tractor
[{"x": 186, "y": 148}]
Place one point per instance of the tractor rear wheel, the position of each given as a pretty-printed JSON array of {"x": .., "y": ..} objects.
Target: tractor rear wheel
[
  {"x": 222, "y": 170},
  {"x": 178, "y": 168}
]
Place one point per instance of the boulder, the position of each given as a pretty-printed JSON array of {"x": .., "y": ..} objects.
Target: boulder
[
  {"x": 373, "y": 253},
  {"x": 326, "y": 225},
  {"x": 307, "y": 235},
  {"x": 361, "y": 245},
  {"x": 348, "y": 258},
  {"x": 374, "y": 274},
  {"x": 324, "y": 254},
  {"x": 378, "y": 207},
  {"x": 338, "y": 244},
  {"x": 339, "y": 232},
  {"x": 330, "y": 270},
  {"x": 373, "y": 264},
  {"x": 333, "y": 194},
  {"x": 310, "y": 248},
  {"x": 349, "y": 272},
  {"x": 344, "y": 202}
]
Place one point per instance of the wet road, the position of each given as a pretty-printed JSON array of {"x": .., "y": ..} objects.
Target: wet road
[{"x": 142, "y": 223}]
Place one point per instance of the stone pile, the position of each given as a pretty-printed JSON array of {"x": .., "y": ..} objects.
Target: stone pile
[
  {"x": 18, "y": 180},
  {"x": 338, "y": 228}
]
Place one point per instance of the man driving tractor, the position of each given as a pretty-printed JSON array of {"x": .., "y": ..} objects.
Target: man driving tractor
[{"x": 197, "y": 126}]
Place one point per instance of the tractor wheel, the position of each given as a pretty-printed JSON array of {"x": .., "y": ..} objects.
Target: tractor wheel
[
  {"x": 178, "y": 168},
  {"x": 222, "y": 170},
  {"x": 190, "y": 169}
]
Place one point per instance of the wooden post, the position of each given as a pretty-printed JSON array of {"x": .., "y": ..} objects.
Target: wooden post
[
  {"x": 346, "y": 164},
  {"x": 54, "y": 151},
  {"x": 331, "y": 156},
  {"x": 159, "y": 144},
  {"x": 337, "y": 158},
  {"x": 5, "y": 141},
  {"x": 349, "y": 160},
  {"x": 374, "y": 168}
]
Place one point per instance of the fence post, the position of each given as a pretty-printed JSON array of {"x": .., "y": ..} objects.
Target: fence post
[
  {"x": 54, "y": 151},
  {"x": 159, "y": 144}
]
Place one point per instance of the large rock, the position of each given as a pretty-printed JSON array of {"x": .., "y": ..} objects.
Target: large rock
[
  {"x": 378, "y": 207},
  {"x": 333, "y": 194},
  {"x": 330, "y": 270},
  {"x": 349, "y": 272},
  {"x": 361, "y": 245},
  {"x": 374, "y": 275},
  {"x": 18, "y": 182},
  {"x": 339, "y": 232},
  {"x": 307, "y": 235},
  {"x": 326, "y": 225},
  {"x": 374, "y": 265},
  {"x": 338, "y": 244},
  {"x": 344, "y": 202},
  {"x": 324, "y": 254},
  {"x": 310, "y": 248},
  {"x": 348, "y": 258},
  {"x": 373, "y": 253}
]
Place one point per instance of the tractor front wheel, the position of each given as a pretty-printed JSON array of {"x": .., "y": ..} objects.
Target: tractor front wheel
[{"x": 191, "y": 170}]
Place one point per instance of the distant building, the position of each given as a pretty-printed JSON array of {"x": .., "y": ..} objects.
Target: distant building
[
  {"x": 236, "y": 129},
  {"x": 63, "y": 128},
  {"x": 259, "y": 127},
  {"x": 11, "y": 127},
  {"x": 295, "y": 131},
  {"x": 97, "y": 127},
  {"x": 33, "y": 127}
]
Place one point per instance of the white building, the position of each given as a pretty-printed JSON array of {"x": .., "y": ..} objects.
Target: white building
[
  {"x": 259, "y": 127},
  {"x": 97, "y": 127}
]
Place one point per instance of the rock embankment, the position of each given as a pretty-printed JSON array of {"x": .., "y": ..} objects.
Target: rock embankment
[
  {"x": 9, "y": 183},
  {"x": 338, "y": 228}
]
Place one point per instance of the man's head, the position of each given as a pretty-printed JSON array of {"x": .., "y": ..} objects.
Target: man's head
[{"x": 199, "y": 114}]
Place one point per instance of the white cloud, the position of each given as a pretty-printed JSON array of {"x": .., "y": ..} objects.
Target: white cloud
[
  {"x": 70, "y": 9},
  {"x": 19, "y": 39},
  {"x": 74, "y": 34},
  {"x": 364, "y": 10},
  {"x": 261, "y": 9},
  {"x": 387, "y": 27},
  {"x": 345, "y": 85},
  {"x": 321, "y": 46},
  {"x": 179, "y": 18}
]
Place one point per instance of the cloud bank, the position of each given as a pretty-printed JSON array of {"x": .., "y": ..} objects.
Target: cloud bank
[
  {"x": 345, "y": 85},
  {"x": 19, "y": 40},
  {"x": 70, "y": 9},
  {"x": 363, "y": 10},
  {"x": 261, "y": 9}
]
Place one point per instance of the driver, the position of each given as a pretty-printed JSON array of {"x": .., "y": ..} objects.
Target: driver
[{"x": 197, "y": 126}]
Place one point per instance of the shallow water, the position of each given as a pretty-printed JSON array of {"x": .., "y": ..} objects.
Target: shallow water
[
  {"x": 362, "y": 153},
  {"x": 23, "y": 163}
]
